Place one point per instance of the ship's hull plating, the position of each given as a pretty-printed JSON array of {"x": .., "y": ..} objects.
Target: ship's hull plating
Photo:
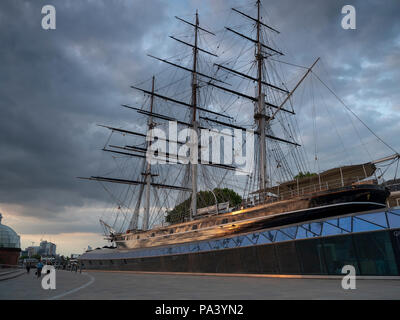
[
  {"x": 315, "y": 206},
  {"x": 374, "y": 253},
  {"x": 306, "y": 256}
]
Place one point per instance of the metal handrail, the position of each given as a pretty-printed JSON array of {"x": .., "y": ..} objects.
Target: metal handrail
[{"x": 300, "y": 191}]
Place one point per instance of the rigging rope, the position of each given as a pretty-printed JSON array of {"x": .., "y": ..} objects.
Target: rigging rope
[{"x": 351, "y": 111}]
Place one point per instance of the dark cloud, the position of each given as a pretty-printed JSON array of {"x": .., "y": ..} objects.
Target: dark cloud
[{"x": 57, "y": 85}]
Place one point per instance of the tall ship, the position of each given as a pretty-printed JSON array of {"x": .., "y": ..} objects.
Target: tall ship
[{"x": 217, "y": 179}]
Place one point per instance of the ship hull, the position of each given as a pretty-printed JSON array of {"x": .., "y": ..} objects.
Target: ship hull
[
  {"x": 319, "y": 241},
  {"x": 315, "y": 206},
  {"x": 373, "y": 253}
]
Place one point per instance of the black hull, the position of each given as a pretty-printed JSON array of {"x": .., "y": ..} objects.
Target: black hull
[
  {"x": 345, "y": 200},
  {"x": 312, "y": 214}
]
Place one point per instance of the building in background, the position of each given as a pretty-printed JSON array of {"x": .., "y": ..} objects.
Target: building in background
[
  {"x": 32, "y": 251},
  {"x": 47, "y": 249},
  {"x": 10, "y": 245}
]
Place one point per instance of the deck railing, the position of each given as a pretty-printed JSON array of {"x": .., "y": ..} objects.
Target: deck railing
[{"x": 304, "y": 190}]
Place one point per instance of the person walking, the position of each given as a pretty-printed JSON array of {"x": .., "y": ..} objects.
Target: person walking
[
  {"x": 39, "y": 268},
  {"x": 28, "y": 267}
]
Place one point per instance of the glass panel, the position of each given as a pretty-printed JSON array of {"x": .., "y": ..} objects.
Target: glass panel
[
  {"x": 263, "y": 238},
  {"x": 377, "y": 218},
  {"x": 311, "y": 256},
  {"x": 395, "y": 211},
  {"x": 345, "y": 223},
  {"x": 249, "y": 260},
  {"x": 204, "y": 246},
  {"x": 394, "y": 220},
  {"x": 267, "y": 259},
  {"x": 339, "y": 251},
  {"x": 334, "y": 222},
  {"x": 360, "y": 225},
  {"x": 246, "y": 241},
  {"x": 316, "y": 228},
  {"x": 301, "y": 233},
  {"x": 231, "y": 244},
  {"x": 281, "y": 237},
  {"x": 375, "y": 253},
  {"x": 329, "y": 230},
  {"x": 225, "y": 243},
  {"x": 290, "y": 231},
  {"x": 270, "y": 235},
  {"x": 215, "y": 244},
  {"x": 309, "y": 233},
  {"x": 287, "y": 258},
  {"x": 254, "y": 237}
]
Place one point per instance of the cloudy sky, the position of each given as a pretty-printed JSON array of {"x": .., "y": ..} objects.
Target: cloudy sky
[{"x": 56, "y": 85}]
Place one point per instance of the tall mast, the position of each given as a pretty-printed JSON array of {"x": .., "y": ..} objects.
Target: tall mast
[
  {"x": 133, "y": 225},
  {"x": 148, "y": 168},
  {"x": 260, "y": 114},
  {"x": 146, "y": 165},
  {"x": 193, "y": 210}
]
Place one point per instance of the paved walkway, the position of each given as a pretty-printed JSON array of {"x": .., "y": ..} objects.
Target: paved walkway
[
  {"x": 115, "y": 285},
  {"x": 28, "y": 286}
]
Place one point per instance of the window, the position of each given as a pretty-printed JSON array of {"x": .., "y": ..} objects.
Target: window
[
  {"x": 171, "y": 231},
  {"x": 224, "y": 221},
  {"x": 153, "y": 234},
  {"x": 194, "y": 227}
]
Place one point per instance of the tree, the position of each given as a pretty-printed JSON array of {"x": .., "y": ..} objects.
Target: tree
[
  {"x": 304, "y": 175},
  {"x": 204, "y": 199}
]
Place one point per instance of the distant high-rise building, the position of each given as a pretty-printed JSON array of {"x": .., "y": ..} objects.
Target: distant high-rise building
[
  {"x": 33, "y": 250},
  {"x": 47, "y": 248}
]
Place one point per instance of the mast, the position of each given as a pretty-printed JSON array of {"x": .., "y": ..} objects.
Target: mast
[
  {"x": 148, "y": 169},
  {"x": 260, "y": 114},
  {"x": 135, "y": 217},
  {"x": 193, "y": 210},
  {"x": 133, "y": 225}
]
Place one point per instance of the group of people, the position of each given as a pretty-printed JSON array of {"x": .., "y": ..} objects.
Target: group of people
[{"x": 39, "y": 268}]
